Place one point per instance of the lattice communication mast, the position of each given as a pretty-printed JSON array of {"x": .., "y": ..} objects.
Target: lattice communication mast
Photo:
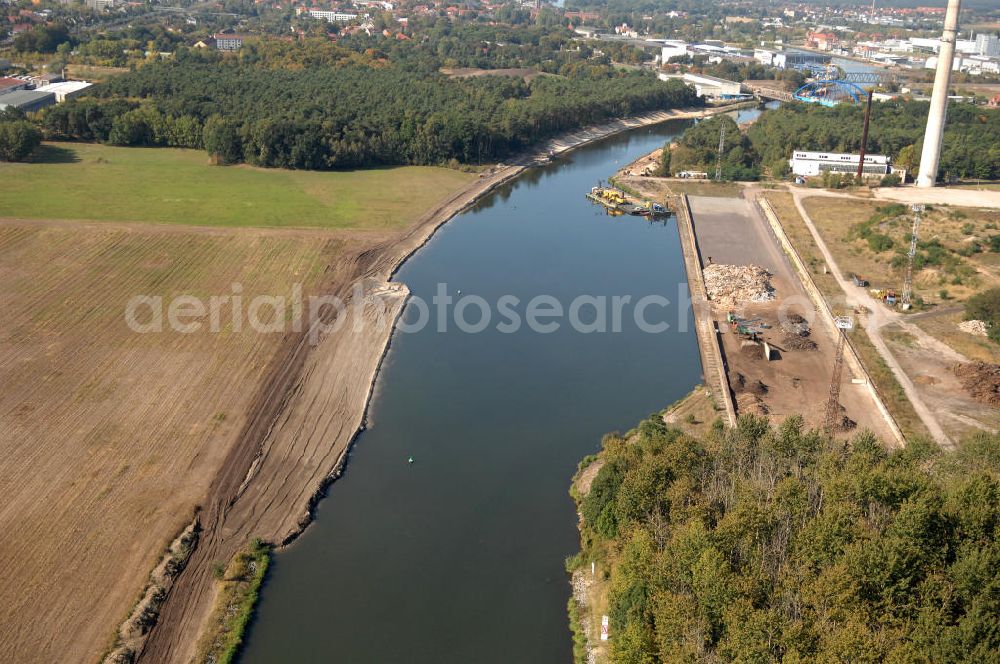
[
  {"x": 918, "y": 211},
  {"x": 722, "y": 148}
]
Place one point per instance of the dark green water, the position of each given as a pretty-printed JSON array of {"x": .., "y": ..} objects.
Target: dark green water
[{"x": 459, "y": 556}]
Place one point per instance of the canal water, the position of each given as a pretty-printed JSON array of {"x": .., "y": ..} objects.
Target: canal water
[{"x": 459, "y": 555}]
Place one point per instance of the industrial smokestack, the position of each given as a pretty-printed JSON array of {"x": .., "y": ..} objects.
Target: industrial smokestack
[{"x": 931, "y": 155}]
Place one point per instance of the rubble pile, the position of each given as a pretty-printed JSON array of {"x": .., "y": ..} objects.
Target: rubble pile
[
  {"x": 842, "y": 421},
  {"x": 981, "y": 381},
  {"x": 846, "y": 424},
  {"x": 797, "y": 342},
  {"x": 974, "y": 327},
  {"x": 754, "y": 387},
  {"x": 752, "y": 349},
  {"x": 794, "y": 324},
  {"x": 731, "y": 285}
]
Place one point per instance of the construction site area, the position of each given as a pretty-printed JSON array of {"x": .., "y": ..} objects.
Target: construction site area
[
  {"x": 780, "y": 353},
  {"x": 804, "y": 316}
]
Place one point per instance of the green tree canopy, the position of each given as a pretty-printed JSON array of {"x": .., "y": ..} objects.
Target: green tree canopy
[
  {"x": 42, "y": 38},
  {"x": 778, "y": 544},
  {"x": 698, "y": 150},
  {"x": 18, "y": 139}
]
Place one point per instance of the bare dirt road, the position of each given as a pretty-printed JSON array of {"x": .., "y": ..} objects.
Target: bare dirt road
[{"x": 957, "y": 196}]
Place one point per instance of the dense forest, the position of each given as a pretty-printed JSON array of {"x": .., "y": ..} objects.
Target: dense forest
[
  {"x": 320, "y": 106},
  {"x": 971, "y": 143},
  {"x": 761, "y": 544},
  {"x": 442, "y": 43}
]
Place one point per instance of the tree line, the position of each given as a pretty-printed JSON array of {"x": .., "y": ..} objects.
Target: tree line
[
  {"x": 971, "y": 141},
  {"x": 345, "y": 110},
  {"x": 765, "y": 543}
]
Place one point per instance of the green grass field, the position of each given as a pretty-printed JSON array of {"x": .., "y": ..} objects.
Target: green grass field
[{"x": 161, "y": 185}]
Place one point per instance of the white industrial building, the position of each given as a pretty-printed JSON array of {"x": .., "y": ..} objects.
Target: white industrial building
[
  {"x": 811, "y": 164},
  {"x": 789, "y": 59},
  {"x": 764, "y": 56},
  {"x": 711, "y": 87},
  {"x": 933, "y": 44},
  {"x": 672, "y": 49},
  {"x": 65, "y": 90},
  {"x": 328, "y": 16},
  {"x": 988, "y": 45},
  {"x": 973, "y": 64}
]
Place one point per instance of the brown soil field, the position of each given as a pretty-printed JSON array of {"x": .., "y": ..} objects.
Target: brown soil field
[
  {"x": 107, "y": 433},
  {"x": 931, "y": 367},
  {"x": 799, "y": 382}
]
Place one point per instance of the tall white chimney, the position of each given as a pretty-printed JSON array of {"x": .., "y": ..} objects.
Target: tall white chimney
[{"x": 930, "y": 158}]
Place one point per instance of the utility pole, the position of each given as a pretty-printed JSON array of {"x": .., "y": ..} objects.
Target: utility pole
[
  {"x": 908, "y": 284},
  {"x": 930, "y": 157},
  {"x": 864, "y": 135},
  {"x": 722, "y": 148}
]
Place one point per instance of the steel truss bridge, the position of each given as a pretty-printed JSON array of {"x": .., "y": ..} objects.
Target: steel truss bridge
[{"x": 848, "y": 88}]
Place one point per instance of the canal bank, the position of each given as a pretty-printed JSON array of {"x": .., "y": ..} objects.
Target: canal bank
[
  {"x": 463, "y": 549},
  {"x": 713, "y": 360}
]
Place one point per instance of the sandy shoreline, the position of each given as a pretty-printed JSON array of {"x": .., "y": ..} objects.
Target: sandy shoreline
[{"x": 315, "y": 403}]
